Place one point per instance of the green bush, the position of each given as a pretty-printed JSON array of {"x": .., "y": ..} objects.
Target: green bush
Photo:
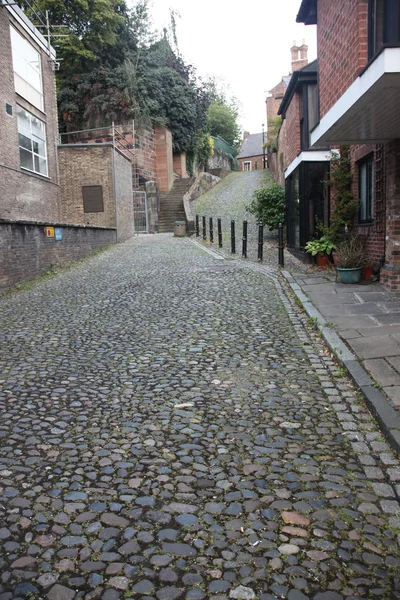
[{"x": 269, "y": 205}]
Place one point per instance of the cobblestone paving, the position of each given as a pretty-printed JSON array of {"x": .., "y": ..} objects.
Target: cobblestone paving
[
  {"x": 171, "y": 430},
  {"x": 228, "y": 200}
]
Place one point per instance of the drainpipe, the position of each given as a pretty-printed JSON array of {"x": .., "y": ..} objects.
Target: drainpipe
[{"x": 113, "y": 176}]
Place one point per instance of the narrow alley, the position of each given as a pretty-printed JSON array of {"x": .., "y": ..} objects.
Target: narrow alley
[{"x": 171, "y": 428}]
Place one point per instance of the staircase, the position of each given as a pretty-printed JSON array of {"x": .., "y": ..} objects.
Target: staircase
[{"x": 171, "y": 205}]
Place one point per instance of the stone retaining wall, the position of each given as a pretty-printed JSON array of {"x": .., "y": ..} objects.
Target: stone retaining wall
[
  {"x": 201, "y": 185},
  {"x": 26, "y": 252}
]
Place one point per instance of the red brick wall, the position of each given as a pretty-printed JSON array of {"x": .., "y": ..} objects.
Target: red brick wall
[
  {"x": 256, "y": 162},
  {"x": 342, "y": 47},
  {"x": 273, "y": 103},
  {"x": 390, "y": 275},
  {"x": 375, "y": 232},
  {"x": 164, "y": 159}
]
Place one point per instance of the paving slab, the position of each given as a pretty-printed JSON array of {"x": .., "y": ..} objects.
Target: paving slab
[
  {"x": 372, "y": 296},
  {"x": 348, "y": 334},
  {"x": 389, "y": 319},
  {"x": 333, "y": 298},
  {"x": 354, "y": 322},
  {"x": 375, "y": 347},
  {"x": 379, "y": 330},
  {"x": 394, "y": 394},
  {"x": 382, "y": 372}
]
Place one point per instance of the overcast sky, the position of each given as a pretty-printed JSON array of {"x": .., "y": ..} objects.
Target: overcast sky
[{"x": 246, "y": 43}]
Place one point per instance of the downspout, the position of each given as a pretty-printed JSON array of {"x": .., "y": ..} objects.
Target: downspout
[{"x": 113, "y": 176}]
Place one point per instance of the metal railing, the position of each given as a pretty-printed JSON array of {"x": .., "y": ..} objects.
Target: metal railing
[{"x": 245, "y": 237}]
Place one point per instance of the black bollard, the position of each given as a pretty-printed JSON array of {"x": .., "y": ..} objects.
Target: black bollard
[
  {"x": 211, "y": 230},
  {"x": 260, "y": 241},
  {"x": 280, "y": 245},
  {"x": 219, "y": 233},
  {"x": 197, "y": 226},
  {"x": 244, "y": 240},
  {"x": 233, "y": 241},
  {"x": 204, "y": 229}
]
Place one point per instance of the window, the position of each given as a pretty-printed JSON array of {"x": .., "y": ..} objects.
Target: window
[
  {"x": 309, "y": 113},
  {"x": 247, "y": 165},
  {"x": 383, "y": 25},
  {"x": 27, "y": 70},
  {"x": 92, "y": 198},
  {"x": 32, "y": 142},
  {"x": 366, "y": 190}
]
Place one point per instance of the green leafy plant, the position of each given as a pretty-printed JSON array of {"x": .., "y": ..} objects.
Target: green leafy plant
[
  {"x": 345, "y": 207},
  {"x": 312, "y": 322},
  {"x": 321, "y": 246},
  {"x": 269, "y": 205}
]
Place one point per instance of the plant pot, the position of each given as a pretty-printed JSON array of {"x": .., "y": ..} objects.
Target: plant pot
[
  {"x": 335, "y": 258},
  {"x": 367, "y": 273},
  {"x": 323, "y": 260},
  {"x": 349, "y": 275}
]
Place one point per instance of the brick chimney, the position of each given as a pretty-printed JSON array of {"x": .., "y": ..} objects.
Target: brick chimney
[
  {"x": 245, "y": 135},
  {"x": 298, "y": 62}
]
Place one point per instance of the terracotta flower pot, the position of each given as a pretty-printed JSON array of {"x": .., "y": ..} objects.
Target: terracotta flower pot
[
  {"x": 323, "y": 260},
  {"x": 367, "y": 273}
]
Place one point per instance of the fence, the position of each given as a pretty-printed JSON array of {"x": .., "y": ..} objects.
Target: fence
[
  {"x": 221, "y": 144},
  {"x": 245, "y": 236}
]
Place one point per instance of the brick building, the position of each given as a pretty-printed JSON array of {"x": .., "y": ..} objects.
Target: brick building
[
  {"x": 359, "y": 78},
  {"x": 299, "y": 59},
  {"x": 96, "y": 187},
  {"x": 302, "y": 168},
  {"x": 252, "y": 155},
  {"x": 28, "y": 120}
]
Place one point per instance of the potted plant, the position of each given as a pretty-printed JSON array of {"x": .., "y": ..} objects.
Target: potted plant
[
  {"x": 322, "y": 249},
  {"x": 350, "y": 259}
]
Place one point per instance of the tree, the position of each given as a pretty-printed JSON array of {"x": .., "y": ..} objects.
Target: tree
[
  {"x": 113, "y": 69},
  {"x": 222, "y": 121},
  {"x": 269, "y": 205}
]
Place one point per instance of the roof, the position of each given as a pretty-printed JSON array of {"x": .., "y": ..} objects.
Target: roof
[
  {"x": 252, "y": 146},
  {"x": 308, "y": 74},
  {"x": 307, "y": 13}
]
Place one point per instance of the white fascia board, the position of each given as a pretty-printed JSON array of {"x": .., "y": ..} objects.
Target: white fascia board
[
  {"x": 30, "y": 29},
  {"x": 387, "y": 62},
  {"x": 308, "y": 156}
]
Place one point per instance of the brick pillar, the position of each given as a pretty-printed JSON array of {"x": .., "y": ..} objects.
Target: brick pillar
[
  {"x": 180, "y": 165},
  {"x": 152, "y": 205},
  {"x": 164, "y": 159},
  {"x": 390, "y": 274}
]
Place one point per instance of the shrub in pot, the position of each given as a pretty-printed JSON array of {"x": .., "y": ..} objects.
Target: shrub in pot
[
  {"x": 320, "y": 248},
  {"x": 350, "y": 258}
]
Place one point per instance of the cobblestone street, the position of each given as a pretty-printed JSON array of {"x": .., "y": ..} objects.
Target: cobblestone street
[{"x": 173, "y": 429}]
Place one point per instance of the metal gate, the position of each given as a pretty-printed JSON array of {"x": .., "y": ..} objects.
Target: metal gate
[{"x": 140, "y": 212}]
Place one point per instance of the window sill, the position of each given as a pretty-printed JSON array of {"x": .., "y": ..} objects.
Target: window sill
[
  {"x": 365, "y": 223},
  {"x": 39, "y": 175}
]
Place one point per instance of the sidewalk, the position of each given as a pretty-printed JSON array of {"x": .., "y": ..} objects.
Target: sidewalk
[{"x": 367, "y": 319}]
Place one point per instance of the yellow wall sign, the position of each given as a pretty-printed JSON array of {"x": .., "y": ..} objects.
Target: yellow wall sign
[{"x": 49, "y": 231}]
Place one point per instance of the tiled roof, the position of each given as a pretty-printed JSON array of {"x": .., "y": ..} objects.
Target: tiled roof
[{"x": 253, "y": 146}]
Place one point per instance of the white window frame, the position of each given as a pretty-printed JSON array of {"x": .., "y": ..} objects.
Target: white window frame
[
  {"x": 248, "y": 164},
  {"x": 34, "y": 138},
  {"x": 25, "y": 70}
]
